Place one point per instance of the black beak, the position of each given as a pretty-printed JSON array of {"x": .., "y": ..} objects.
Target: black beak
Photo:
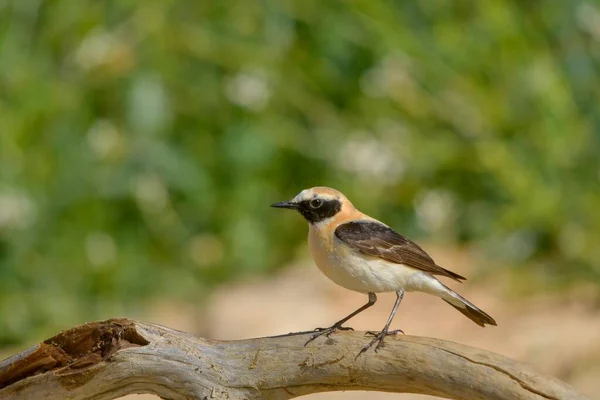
[{"x": 285, "y": 204}]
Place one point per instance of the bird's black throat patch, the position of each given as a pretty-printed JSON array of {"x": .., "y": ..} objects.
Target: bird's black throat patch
[{"x": 313, "y": 215}]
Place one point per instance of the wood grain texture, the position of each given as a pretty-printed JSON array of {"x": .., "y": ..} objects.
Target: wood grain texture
[{"x": 108, "y": 359}]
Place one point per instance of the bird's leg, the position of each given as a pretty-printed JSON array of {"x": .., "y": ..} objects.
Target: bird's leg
[
  {"x": 338, "y": 325},
  {"x": 380, "y": 336}
]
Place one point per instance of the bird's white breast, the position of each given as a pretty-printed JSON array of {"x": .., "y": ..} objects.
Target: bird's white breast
[{"x": 361, "y": 273}]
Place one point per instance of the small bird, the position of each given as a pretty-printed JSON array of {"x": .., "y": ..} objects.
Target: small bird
[{"x": 365, "y": 255}]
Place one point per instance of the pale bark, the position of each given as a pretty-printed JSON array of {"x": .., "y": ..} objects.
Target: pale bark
[{"x": 105, "y": 360}]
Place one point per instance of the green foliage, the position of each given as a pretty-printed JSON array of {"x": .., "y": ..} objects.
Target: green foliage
[{"x": 142, "y": 142}]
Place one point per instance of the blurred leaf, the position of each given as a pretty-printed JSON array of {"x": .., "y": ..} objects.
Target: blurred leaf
[{"x": 142, "y": 142}]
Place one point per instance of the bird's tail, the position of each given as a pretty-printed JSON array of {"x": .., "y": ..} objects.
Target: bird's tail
[{"x": 468, "y": 309}]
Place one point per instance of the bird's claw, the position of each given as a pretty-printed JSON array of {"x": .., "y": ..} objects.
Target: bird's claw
[
  {"x": 327, "y": 332},
  {"x": 334, "y": 328},
  {"x": 378, "y": 338},
  {"x": 389, "y": 333}
]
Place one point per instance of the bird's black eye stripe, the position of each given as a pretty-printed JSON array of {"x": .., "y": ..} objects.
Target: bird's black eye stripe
[
  {"x": 317, "y": 209},
  {"x": 316, "y": 203}
]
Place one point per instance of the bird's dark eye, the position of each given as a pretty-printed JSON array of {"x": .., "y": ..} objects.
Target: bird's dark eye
[{"x": 316, "y": 203}]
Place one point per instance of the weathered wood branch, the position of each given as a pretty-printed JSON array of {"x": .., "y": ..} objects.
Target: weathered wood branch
[{"x": 109, "y": 359}]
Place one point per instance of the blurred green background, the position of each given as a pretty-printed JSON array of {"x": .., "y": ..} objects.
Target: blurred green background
[{"x": 142, "y": 142}]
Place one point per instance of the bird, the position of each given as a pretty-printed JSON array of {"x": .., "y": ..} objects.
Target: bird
[{"x": 362, "y": 254}]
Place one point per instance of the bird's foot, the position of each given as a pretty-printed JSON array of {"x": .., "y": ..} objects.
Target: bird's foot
[
  {"x": 388, "y": 333},
  {"x": 327, "y": 332},
  {"x": 378, "y": 338}
]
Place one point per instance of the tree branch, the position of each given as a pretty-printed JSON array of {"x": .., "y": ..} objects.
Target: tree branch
[{"x": 109, "y": 359}]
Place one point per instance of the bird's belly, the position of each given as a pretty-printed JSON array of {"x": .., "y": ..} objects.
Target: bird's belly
[{"x": 364, "y": 274}]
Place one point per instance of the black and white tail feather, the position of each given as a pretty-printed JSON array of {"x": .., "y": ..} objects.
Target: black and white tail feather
[{"x": 467, "y": 308}]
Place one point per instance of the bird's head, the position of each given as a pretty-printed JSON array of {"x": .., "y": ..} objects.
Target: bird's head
[{"x": 316, "y": 204}]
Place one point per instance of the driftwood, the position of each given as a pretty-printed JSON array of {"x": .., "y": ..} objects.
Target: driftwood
[{"x": 109, "y": 359}]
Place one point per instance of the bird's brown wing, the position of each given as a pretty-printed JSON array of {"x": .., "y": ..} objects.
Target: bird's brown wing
[{"x": 377, "y": 240}]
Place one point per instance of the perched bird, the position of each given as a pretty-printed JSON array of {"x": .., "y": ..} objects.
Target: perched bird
[{"x": 365, "y": 255}]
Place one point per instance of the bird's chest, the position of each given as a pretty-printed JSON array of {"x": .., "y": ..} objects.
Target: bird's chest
[
  {"x": 325, "y": 252},
  {"x": 337, "y": 261}
]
